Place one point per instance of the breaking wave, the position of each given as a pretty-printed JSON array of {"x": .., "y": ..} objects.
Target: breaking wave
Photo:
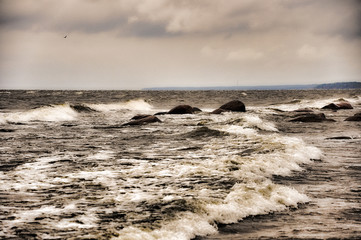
[
  {"x": 136, "y": 105},
  {"x": 69, "y": 112},
  {"x": 53, "y": 113}
]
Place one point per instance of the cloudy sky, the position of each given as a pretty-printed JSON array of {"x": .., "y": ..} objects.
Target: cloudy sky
[{"x": 134, "y": 44}]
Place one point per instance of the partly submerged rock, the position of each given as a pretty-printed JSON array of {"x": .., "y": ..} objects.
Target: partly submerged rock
[
  {"x": 181, "y": 109},
  {"x": 141, "y": 121},
  {"x": 140, "y": 116},
  {"x": 195, "y": 109},
  {"x": 355, "y": 118},
  {"x": 234, "y": 106},
  {"x": 331, "y": 106},
  {"x": 203, "y": 131},
  {"x": 6, "y": 130},
  {"x": 161, "y": 113},
  {"x": 303, "y": 110},
  {"x": 344, "y": 105},
  {"x": 311, "y": 117},
  {"x": 219, "y": 111},
  {"x": 339, "y": 138},
  {"x": 82, "y": 108},
  {"x": 337, "y": 106}
]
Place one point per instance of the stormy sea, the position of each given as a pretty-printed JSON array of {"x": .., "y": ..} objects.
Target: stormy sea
[{"x": 74, "y": 165}]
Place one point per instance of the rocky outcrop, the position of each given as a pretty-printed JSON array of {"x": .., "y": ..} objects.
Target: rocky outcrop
[
  {"x": 82, "y": 108},
  {"x": 140, "y": 116},
  {"x": 6, "y": 130},
  {"x": 330, "y": 106},
  {"x": 344, "y": 105},
  {"x": 181, "y": 109},
  {"x": 218, "y": 111},
  {"x": 234, "y": 106},
  {"x": 311, "y": 117},
  {"x": 195, "y": 109},
  {"x": 304, "y": 110},
  {"x": 356, "y": 117},
  {"x": 144, "y": 120},
  {"x": 337, "y": 106}
]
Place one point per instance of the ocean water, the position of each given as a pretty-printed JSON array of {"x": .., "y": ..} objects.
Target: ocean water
[{"x": 71, "y": 174}]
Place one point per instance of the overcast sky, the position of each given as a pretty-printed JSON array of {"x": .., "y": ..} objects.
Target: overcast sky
[{"x": 133, "y": 44}]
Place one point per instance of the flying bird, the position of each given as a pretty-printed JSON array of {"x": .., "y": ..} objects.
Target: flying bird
[{"x": 65, "y": 36}]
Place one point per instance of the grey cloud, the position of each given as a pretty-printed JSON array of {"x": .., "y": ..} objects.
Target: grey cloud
[{"x": 166, "y": 18}]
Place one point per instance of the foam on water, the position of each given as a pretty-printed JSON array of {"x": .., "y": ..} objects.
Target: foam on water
[
  {"x": 52, "y": 113},
  {"x": 319, "y": 103},
  {"x": 253, "y": 194},
  {"x": 173, "y": 181},
  {"x": 135, "y": 105}
]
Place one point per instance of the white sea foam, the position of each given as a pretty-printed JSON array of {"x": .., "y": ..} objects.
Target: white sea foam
[
  {"x": 200, "y": 177},
  {"x": 52, "y": 113},
  {"x": 101, "y": 155},
  {"x": 243, "y": 201},
  {"x": 136, "y": 105},
  {"x": 254, "y": 194},
  {"x": 319, "y": 103}
]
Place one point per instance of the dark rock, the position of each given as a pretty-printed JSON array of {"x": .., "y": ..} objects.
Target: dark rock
[
  {"x": 218, "y": 111},
  {"x": 161, "y": 113},
  {"x": 310, "y": 117},
  {"x": 303, "y": 110},
  {"x": 145, "y": 120},
  {"x": 234, "y": 106},
  {"x": 341, "y": 105},
  {"x": 82, "y": 108},
  {"x": 68, "y": 125},
  {"x": 331, "y": 106},
  {"x": 140, "y": 116},
  {"x": 338, "y": 138},
  {"x": 277, "y": 110},
  {"x": 195, "y": 109},
  {"x": 202, "y": 132},
  {"x": 7, "y": 130},
  {"x": 344, "y": 105},
  {"x": 356, "y": 117},
  {"x": 181, "y": 109}
]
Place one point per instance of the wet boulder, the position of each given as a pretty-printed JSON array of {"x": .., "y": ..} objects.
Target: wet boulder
[
  {"x": 140, "y": 116},
  {"x": 6, "y": 130},
  {"x": 310, "y": 117},
  {"x": 82, "y": 108},
  {"x": 161, "y": 113},
  {"x": 355, "y": 118},
  {"x": 181, "y": 109},
  {"x": 234, "y": 106},
  {"x": 330, "y": 106},
  {"x": 303, "y": 110},
  {"x": 344, "y": 105},
  {"x": 218, "y": 111},
  {"x": 341, "y": 105},
  {"x": 195, "y": 109},
  {"x": 144, "y": 120}
]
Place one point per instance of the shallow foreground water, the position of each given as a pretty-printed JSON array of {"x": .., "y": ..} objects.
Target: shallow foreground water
[{"x": 77, "y": 173}]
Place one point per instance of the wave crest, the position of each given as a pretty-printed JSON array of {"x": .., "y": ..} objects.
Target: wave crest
[{"x": 53, "y": 113}]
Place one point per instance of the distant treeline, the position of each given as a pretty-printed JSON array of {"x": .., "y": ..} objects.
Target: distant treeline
[
  {"x": 340, "y": 85},
  {"x": 337, "y": 85}
]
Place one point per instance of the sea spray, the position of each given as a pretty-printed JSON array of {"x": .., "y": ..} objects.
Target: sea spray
[{"x": 53, "y": 113}]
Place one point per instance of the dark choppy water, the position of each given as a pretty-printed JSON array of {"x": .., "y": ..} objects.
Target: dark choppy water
[{"x": 68, "y": 174}]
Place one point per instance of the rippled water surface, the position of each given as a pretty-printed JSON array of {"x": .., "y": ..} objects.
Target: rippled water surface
[{"x": 68, "y": 173}]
